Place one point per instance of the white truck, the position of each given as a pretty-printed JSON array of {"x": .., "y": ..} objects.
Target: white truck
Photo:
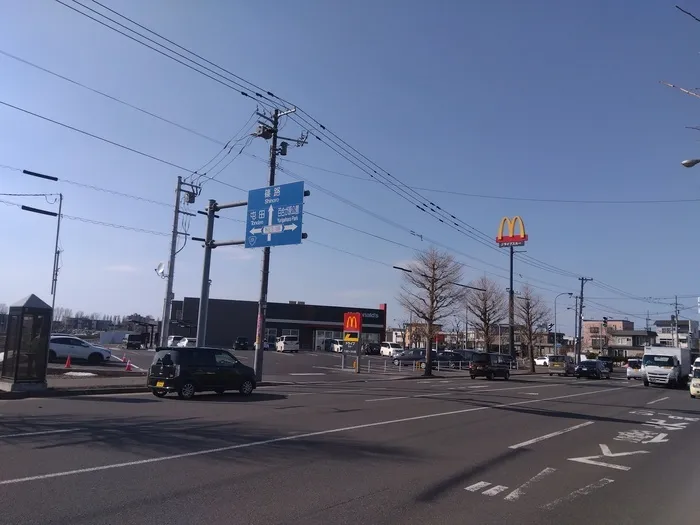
[{"x": 666, "y": 365}]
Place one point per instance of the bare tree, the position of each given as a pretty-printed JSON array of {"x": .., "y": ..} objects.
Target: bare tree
[
  {"x": 488, "y": 307},
  {"x": 3, "y": 308},
  {"x": 431, "y": 292},
  {"x": 80, "y": 314},
  {"x": 67, "y": 312},
  {"x": 531, "y": 312},
  {"x": 457, "y": 331}
]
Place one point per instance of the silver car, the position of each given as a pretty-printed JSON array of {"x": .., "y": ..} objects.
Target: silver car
[{"x": 634, "y": 369}]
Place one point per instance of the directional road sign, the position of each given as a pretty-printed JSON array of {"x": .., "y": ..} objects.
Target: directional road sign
[{"x": 274, "y": 215}]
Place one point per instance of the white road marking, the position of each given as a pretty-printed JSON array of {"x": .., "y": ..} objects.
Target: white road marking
[
  {"x": 477, "y": 486},
  {"x": 494, "y": 490},
  {"x": 521, "y": 489},
  {"x": 307, "y": 374},
  {"x": 328, "y": 432},
  {"x": 386, "y": 399},
  {"x": 530, "y": 393},
  {"x": 550, "y": 435},
  {"x": 606, "y": 453},
  {"x": 657, "y": 400},
  {"x": 40, "y": 433},
  {"x": 585, "y": 491},
  {"x": 479, "y": 386}
]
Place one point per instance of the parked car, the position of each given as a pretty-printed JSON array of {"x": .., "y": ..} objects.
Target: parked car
[
  {"x": 134, "y": 341},
  {"x": 390, "y": 349},
  {"x": 607, "y": 361},
  {"x": 287, "y": 343},
  {"x": 187, "y": 371},
  {"x": 489, "y": 366},
  {"x": 187, "y": 342},
  {"x": 562, "y": 365},
  {"x": 452, "y": 359},
  {"x": 241, "y": 343},
  {"x": 695, "y": 383},
  {"x": 173, "y": 340},
  {"x": 410, "y": 357},
  {"x": 61, "y": 347},
  {"x": 542, "y": 360},
  {"x": 370, "y": 348},
  {"x": 592, "y": 368},
  {"x": 634, "y": 369}
]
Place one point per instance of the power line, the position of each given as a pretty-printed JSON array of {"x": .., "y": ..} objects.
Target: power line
[{"x": 96, "y": 222}]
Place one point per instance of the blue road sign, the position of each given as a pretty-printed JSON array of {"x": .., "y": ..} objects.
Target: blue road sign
[{"x": 274, "y": 215}]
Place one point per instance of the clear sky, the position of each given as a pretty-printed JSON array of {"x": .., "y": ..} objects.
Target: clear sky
[{"x": 514, "y": 101}]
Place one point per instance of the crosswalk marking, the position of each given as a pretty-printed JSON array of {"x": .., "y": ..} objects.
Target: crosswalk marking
[
  {"x": 477, "y": 486},
  {"x": 495, "y": 490}
]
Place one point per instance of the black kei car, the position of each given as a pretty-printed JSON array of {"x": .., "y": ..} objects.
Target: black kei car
[
  {"x": 241, "y": 343},
  {"x": 592, "y": 369},
  {"x": 489, "y": 366},
  {"x": 186, "y": 371}
]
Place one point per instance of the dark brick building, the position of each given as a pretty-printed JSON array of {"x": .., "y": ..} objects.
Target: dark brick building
[{"x": 228, "y": 319}]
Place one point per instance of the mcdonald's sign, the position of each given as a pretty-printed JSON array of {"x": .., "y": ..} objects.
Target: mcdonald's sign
[
  {"x": 511, "y": 238},
  {"x": 352, "y": 322}
]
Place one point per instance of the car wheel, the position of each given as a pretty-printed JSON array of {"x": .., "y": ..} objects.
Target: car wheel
[
  {"x": 473, "y": 377},
  {"x": 219, "y": 390},
  {"x": 607, "y": 376},
  {"x": 629, "y": 378},
  {"x": 489, "y": 376},
  {"x": 422, "y": 365},
  {"x": 246, "y": 387},
  {"x": 397, "y": 362},
  {"x": 646, "y": 383},
  {"x": 95, "y": 359},
  {"x": 550, "y": 374},
  {"x": 160, "y": 393},
  {"x": 691, "y": 395},
  {"x": 507, "y": 376},
  {"x": 52, "y": 356},
  {"x": 578, "y": 377},
  {"x": 187, "y": 390}
]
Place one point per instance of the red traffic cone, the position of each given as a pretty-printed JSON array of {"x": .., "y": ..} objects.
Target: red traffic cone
[
  {"x": 128, "y": 366},
  {"x": 67, "y": 362},
  {"x": 124, "y": 359}
]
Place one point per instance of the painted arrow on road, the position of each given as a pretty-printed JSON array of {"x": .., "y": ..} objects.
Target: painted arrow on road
[{"x": 606, "y": 453}]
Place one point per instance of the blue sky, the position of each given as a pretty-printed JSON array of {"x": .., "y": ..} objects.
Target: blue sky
[{"x": 554, "y": 100}]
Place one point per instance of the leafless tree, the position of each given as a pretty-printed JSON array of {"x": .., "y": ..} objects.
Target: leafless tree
[
  {"x": 3, "y": 308},
  {"x": 80, "y": 314},
  {"x": 487, "y": 307},
  {"x": 431, "y": 293},
  {"x": 531, "y": 311},
  {"x": 457, "y": 330},
  {"x": 403, "y": 329}
]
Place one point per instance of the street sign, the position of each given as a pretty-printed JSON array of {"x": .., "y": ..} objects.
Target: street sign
[
  {"x": 274, "y": 215},
  {"x": 352, "y": 326}
]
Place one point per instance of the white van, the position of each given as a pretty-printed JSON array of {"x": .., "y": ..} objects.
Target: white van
[
  {"x": 187, "y": 342},
  {"x": 287, "y": 343},
  {"x": 390, "y": 349},
  {"x": 337, "y": 345}
]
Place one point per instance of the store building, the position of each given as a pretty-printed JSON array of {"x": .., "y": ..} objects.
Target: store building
[{"x": 313, "y": 324}]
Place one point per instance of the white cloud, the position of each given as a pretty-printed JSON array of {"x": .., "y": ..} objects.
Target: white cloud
[
  {"x": 122, "y": 268},
  {"x": 240, "y": 254}
]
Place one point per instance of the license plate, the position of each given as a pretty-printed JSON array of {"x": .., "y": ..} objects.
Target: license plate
[{"x": 160, "y": 384}]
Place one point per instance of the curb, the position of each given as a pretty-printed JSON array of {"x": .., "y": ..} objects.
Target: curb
[{"x": 66, "y": 392}]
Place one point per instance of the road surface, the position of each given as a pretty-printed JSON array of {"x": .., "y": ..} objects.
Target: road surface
[{"x": 443, "y": 451}]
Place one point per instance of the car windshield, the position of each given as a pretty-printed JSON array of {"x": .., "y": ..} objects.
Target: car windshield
[
  {"x": 588, "y": 363},
  {"x": 395, "y": 345},
  {"x": 658, "y": 360},
  {"x": 696, "y": 372},
  {"x": 166, "y": 357},
  {"x": 634, "y": 363}
]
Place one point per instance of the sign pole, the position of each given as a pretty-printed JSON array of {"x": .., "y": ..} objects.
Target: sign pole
[{"x": 511, "y": 307}]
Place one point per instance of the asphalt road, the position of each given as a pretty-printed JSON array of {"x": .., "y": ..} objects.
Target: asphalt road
[{"x": 529, "y": 451}]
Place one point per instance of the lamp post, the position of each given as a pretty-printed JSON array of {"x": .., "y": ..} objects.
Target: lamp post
[
  {"x": 570, "y": 294},
  {"x": 690, "y": 163}
]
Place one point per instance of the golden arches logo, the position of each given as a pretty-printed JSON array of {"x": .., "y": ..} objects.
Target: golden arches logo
[
  {"x": 511, "y": 239},
  {"x": 352, "y": 323}
]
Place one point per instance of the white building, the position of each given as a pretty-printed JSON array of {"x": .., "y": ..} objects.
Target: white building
[{"x": 688, "y": 333}]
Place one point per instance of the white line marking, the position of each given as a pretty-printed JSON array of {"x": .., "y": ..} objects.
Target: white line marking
[
  {"x": 530, "y": 393},
  {"x": 477, "y": 486},
  {"x": 308, "y": 374},
  {"x": 386, "y": 399},
  {"x": 494, "y": 490},
  {"x": 657, "y": 400},
  {"x": 479, "y": 386},
  {"x": 41, "y": 433},
  {"x": 551, "y": 435},
  {"x": 585, "y": 491},
  {"x": 606, "y": 452},
  {"x": 521, "y": 489},
  {"x": 252, "y": 444}
]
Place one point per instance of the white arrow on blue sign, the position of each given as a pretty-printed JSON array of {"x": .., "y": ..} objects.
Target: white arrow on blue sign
[{"x": 274, "y": 215}]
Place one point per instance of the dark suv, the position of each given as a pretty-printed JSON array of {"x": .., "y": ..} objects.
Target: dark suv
[
  {"x": 241, "y": 343},
  {"x": 607, "y": 361},
  {"x": 189, "y": 370},
  {"x": 489, "y": 366}
]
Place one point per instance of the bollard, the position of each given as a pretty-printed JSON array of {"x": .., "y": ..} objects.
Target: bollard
[
  {"x": 385, "y": 367},
  {"x": 438, "y": 367},
  {"x": 369, "y": 365},
  {"x": 342, "y": 361}
]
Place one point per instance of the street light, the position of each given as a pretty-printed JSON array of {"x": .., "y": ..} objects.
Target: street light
[
  {"x": 690, "y": 163},
  {"x": 570, "y": 294}
]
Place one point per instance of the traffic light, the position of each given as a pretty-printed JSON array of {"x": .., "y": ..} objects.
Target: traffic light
[{"x": 605, "y": 321}]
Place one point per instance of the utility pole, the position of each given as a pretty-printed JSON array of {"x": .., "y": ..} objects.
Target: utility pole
[
  {"x": 648, "y": 320},
  {"x": 576, "y": 328},
  {"x": 583, "y": 280},
  {"x": 56, "y": 256},
  {"x": 676, "y": 341},
  {"x": 167, "y": 302},
  {"x": 204, "y": 294}
]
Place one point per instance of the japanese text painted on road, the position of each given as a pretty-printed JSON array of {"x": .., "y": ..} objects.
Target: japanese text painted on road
[{"x": 274, "y": 215}]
